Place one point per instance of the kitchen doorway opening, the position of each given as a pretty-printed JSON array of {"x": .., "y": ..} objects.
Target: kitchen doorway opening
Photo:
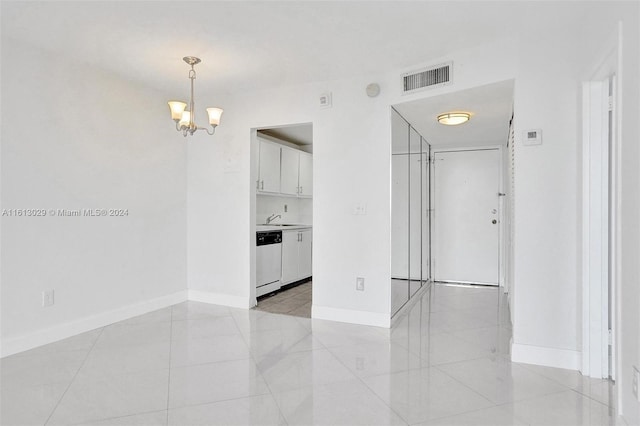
[{"x": 282, "y": 212}]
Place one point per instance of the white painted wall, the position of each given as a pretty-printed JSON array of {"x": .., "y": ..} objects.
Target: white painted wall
[
  {"x": 629, "y": 328},
  {"x": 77, "y": 137}
]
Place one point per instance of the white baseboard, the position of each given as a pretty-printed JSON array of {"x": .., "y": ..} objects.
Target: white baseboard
[
  {"x": 219, "y": 299},
  {"x": 549, "y": 357},
  {"x": 68, "y": 329},
  {"x": 375, "y": 319}
]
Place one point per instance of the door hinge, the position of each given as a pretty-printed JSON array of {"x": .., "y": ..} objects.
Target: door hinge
[
  {"x": 610, "y": 338},
  {"x": 610, "y": 103}
]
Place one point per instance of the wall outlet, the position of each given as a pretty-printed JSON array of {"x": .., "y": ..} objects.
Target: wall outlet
[
  {"x": 360, "y": 284},
  {"x": 47, "y": 298},
  {"x": 636, "y": 380}
]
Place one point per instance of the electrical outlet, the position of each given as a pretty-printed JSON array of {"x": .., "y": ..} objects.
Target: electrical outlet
[
  {"x": 360, "y": 284},
  {"x": 47, "y": 298},
  {"x": 636, "y": 380}
]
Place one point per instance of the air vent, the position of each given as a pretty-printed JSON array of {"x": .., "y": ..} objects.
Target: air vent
[{"x": 427, "y": 78}]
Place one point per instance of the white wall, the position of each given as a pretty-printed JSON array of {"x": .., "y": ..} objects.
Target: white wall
[
  {"x": 629, "y": 329},
  {"x": 75, "y": 137},
  {"x": 545, "y": 305}
]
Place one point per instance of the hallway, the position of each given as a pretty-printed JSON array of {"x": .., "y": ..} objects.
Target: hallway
[{"x": 444, "y": 363}]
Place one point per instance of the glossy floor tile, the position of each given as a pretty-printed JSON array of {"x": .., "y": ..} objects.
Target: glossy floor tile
[{"x": 444, "y": 362}]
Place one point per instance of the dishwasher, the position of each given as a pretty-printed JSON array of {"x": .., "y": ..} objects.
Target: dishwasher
[{"x": 268, "y": 261}]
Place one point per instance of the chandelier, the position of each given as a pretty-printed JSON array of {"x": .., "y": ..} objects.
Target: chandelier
[{"x": 184, "y": 117}]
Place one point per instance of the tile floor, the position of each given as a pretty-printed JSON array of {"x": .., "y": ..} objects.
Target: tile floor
[
  {"x": 294, "y": 301},
  {"x": 444, "y": 363}
]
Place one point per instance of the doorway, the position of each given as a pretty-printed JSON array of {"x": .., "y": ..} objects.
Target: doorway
[{"x": 283, "y": 210}]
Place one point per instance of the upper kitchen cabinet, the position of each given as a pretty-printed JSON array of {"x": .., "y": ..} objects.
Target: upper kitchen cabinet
[
  {"x": 296, "y": 173},
  {"x": 289, "y": 171},
  {"x": 305, "y": 175},
  {"x": 283, "y": 170},
  {"x": 269, "y": 167}
]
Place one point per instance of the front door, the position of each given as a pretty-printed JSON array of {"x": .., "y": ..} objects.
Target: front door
[{"x": 466, "y": 214}]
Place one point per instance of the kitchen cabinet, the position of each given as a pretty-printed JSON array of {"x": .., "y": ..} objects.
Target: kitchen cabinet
[
  {"x": 289, "y": 171},
  {"x": 296, "y": 173},
  {"x": 296, "y": 255},
  {"x": 305, "y": 175},
  {"x": 268, "y": 167}
]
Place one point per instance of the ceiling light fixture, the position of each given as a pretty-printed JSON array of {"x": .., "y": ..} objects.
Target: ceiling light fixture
[
  {"x": 453, "y": 118},
  {"x": 184, "y": 118}
]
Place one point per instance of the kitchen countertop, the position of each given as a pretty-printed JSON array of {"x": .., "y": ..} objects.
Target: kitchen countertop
[{"x": 278, "y": 227}]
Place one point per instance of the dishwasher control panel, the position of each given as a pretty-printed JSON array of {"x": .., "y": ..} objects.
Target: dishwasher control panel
[{"x": 264, "y": 238}]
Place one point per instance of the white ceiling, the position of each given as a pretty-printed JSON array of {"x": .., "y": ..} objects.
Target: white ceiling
[
  {"x": 250, "y": 45},
  {"x": 490, "y": 107}
]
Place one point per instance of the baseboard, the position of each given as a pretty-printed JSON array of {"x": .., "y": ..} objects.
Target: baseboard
[
  {"x": 375, "y": 319},
  {"x": 219, "y": 299},
  {"x": 549, "y": 357},
  {"x": 62, "y": 331}
]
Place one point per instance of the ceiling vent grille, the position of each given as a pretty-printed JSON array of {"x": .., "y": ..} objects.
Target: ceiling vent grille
[{"x": 436, "y": 76}]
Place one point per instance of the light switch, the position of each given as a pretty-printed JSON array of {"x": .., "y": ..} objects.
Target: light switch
[{"x": 360, "y": 209}]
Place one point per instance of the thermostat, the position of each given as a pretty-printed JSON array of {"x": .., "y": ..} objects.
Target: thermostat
[{"x": 533, "y": 137}]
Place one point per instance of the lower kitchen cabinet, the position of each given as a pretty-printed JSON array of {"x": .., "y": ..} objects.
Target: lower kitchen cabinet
[{"x": 296, "y": 255}]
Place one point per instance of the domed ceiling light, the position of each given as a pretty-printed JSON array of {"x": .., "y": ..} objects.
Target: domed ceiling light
[
  {"x": 453, "y": 118},
  {"x": 184, "y": 118}
]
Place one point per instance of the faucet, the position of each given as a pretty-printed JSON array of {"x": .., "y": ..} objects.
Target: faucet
[{"x": 273, "y": 217}]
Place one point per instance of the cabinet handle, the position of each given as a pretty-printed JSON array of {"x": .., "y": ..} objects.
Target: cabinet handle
[
  {"x": 258, "y": 184},
  {"x": 300, "y": 190},
  {"x": 262, "y": 185}
]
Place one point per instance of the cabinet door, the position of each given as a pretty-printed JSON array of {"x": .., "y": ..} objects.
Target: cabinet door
[
  {"x": 269, "y": 168},
  {"x": 305, "y": 178},
  {"x": 290, "y": 245},
  {"x": 304, "y": 254},
  {"x": 289, "y": 172}
]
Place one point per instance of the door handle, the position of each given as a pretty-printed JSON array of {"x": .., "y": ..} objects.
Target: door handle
[{"x": 494, "y": 221}]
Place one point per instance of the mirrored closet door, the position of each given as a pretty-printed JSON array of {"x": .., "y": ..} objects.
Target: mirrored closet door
[{"x": 410, "y": 242}]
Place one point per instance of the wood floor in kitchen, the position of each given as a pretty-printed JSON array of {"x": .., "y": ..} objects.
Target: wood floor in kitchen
[{"x": 294, "y": 301}]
